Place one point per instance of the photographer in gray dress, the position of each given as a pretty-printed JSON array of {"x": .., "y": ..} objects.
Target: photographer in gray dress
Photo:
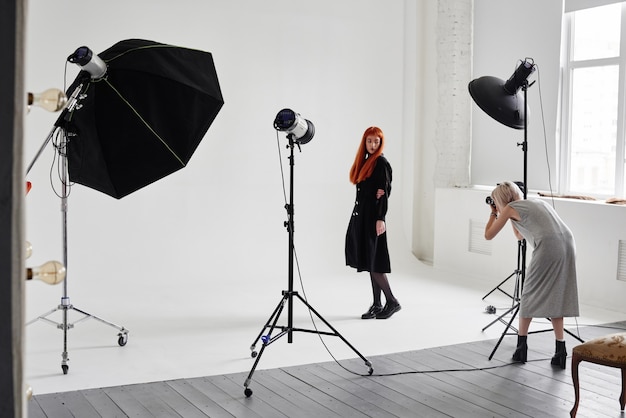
[{"x": 549, "y": 289}]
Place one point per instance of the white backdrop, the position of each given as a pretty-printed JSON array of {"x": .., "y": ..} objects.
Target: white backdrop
[{"x": 220, "y": 219}]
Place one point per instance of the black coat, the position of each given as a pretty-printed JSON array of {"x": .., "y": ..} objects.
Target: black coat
[{"x": 364, "y": 250}]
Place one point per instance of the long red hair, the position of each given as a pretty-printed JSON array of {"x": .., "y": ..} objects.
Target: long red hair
[{"x": 363, "y": 165}]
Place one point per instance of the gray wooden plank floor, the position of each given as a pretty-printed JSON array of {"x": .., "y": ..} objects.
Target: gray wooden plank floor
[{"x": 452, "y": 381}]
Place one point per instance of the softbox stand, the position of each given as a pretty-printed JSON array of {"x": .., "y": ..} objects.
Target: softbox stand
[
  {"x": 521, "y": 257},
  {"x": 265, "y": 336},
  {"x": 66, "y": 305}
]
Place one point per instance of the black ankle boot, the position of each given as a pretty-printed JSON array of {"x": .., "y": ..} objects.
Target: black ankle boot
[
  {"x": 522, "y": 349},
  {"x": 560, "y": 355}
]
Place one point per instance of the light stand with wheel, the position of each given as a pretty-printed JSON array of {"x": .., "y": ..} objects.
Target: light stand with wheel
[
  {"x": 265, "y": 336},
  {"x": 65, "y": 305}
]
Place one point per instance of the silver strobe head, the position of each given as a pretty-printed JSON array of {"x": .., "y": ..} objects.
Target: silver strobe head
[
  {"x": 89, "y": 62},
  {"x": 300, "y": 129}
]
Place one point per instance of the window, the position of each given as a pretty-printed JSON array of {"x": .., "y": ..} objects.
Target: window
[{"x": 594, "y": 114}]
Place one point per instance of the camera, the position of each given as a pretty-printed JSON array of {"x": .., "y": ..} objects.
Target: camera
[{"x": 490, "y": 202}]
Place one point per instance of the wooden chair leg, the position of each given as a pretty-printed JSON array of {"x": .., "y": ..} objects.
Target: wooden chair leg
[
  {"x": 575, "y": 362},
  {"x": 622, "y": 399}
]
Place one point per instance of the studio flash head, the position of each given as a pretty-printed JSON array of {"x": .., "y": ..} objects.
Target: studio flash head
[
  {"x": 88, "y": 61},
  {"x": 299, "y": 129}
]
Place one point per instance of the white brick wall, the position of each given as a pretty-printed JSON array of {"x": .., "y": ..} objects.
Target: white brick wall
[{"x": 454, "y": 69}]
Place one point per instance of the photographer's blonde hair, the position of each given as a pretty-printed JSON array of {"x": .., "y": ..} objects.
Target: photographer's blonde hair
[{"x": 505, "y": 193}]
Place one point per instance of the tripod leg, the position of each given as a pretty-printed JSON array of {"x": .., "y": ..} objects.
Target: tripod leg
[
  {"x": 574, "y": 335},
  {"x": 504, "y": 333},
  {"x": 565, "y": 330},
  {"x": 336, "y": 333},
  {"x": 64, "y": 355},
  {"x": 272, "y": 319},
  {"x": 499, "y": 318},
  {"x": 500, "y": 284},
  {"x": 266, "y": 339},
  {"x": 123, "y": 332},
  {"x": 44, "y": 317}
]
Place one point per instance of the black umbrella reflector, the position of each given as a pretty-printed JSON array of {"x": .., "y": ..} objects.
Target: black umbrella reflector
[{"x": 144, "y": 119}]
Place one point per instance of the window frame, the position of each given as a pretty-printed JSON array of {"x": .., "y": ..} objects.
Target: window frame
[{"x": 566, "y": 119}]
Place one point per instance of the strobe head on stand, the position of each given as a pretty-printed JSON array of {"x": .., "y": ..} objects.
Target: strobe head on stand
[
  {"x": 503, "y": 100},
  {"x": 93, "y": 67},
  {"x": 88, "y": 61},
  {"x": 300, "y": 130}
]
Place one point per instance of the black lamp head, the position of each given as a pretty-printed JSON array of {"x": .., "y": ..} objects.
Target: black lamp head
[{"x": 502, "y": 100}]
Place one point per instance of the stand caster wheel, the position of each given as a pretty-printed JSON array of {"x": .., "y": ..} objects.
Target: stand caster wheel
[
  {"x": 247, "y": 392},
  {"x": 64, "y": 367},
  {"x": 122, "y": 340},
  {"x": 370, "y": 371},
  {"x": 253, "y": 354}
]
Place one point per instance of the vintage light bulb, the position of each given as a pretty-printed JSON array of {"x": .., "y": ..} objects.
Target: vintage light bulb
[
  {"x": 51, "y": 272},
  {"x": 29, "y": 250},
  {"x": 52, "y": 100}
]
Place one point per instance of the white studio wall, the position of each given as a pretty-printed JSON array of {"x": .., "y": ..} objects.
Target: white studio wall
[
  {"x": 221, "y": 218},
  {"x": 504, "y": 34}
]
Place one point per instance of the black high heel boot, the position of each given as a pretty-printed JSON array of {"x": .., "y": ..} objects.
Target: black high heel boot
[
  {"x": 560, "y": 355},
  {"x": 522, "y": 349}
]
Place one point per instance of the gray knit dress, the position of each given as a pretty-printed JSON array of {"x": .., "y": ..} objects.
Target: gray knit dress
[{"x": 550, "y": 289}]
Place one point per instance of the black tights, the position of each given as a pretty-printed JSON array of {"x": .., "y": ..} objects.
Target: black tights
[{"x": 380, "y": 283}]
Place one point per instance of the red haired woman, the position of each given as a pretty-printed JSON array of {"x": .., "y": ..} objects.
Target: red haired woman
[{"x": 366, "y": 239}]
